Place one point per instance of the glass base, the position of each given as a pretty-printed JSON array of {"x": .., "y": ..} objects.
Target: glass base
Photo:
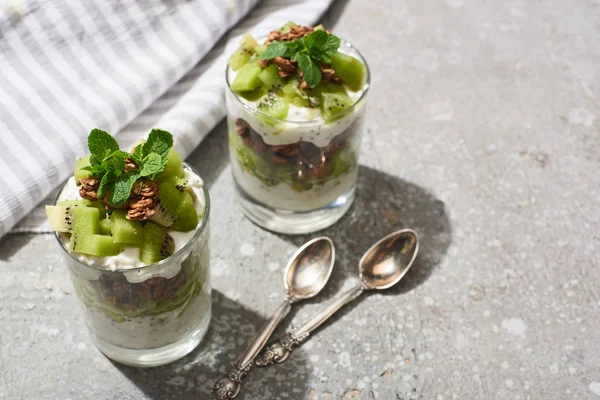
[
  {"x": 294, "y": 222},
  {"x": 157, "y": 356}
]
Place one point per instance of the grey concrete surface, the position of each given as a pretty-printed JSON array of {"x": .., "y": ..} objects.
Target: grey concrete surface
[{"x": 484, "y": 137}]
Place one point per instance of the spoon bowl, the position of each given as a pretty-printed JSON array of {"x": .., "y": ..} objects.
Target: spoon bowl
[
  {"x": 381, "y": 267},
  {"x": 388, "y": 260},
  {"x": 309, "y": 269}
]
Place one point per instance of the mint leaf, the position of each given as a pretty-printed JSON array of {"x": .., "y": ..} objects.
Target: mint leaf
[
  {"x": 116, "y": 160},
  {"x": 310, "y": 70},
  {"x": 159, "y": 142},
  {"x": 317, "y": 54},
  {"x": 152, "y": 164},
  {"x": 101, "y": 144},
  {"x": 281, "y": 49},
  {"x": 331, "y": 45},
  {"x": 107, "y": 179},
  {"x": 316, "y": 39},
  {"x": 122, "y": 188},
  {"x": 138, "y": 154}
]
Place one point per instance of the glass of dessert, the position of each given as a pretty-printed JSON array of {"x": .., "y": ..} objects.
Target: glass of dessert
[
  {"x": 133, "y": 228},
  {"x": 295, "y": 114}
]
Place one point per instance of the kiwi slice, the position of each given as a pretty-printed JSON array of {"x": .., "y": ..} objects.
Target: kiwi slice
[
  {"x": 85, "y": 203},
  {"x": 243, "y": 54},
  {"x": 274, "y": 106},
  {"x": 124, "y": 230},
  {"x": 255, "y": 94},
  {"x": 270, "y": 77},
  {"x": 104, "y": 226},
  {"x": 173, "y": 168},
  {"x": 333, "y": 104},
  {"x": 175, "y": 208},
  {"x": 81, "y": 163},
  {"x": 83, "y": 225},
  {"x": 157, "y": 244},
  {"x": 70, "y": 219},
  {"x": 349, "y": 69},
  {"x": 94, "y": 245},
  {"x": 287, "y": 27},
  {"x": 187, "y": 217},
  {"x": 247, "y": 77}
]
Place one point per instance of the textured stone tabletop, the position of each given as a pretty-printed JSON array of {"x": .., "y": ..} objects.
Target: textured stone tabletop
[{"x": 483, "y": 137}]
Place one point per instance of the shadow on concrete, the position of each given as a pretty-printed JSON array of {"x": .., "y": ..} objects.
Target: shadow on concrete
[
  {"x": 232, "y": 328},
  {"x": 384, "y": 204}
]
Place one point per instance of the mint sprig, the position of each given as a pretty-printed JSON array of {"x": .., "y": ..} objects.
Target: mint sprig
[
  {"x": 107, "y": 163},
  {"x": 308, "y": 51}
]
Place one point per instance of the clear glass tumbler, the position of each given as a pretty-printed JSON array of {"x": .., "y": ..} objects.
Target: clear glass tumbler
[
  {"x": 150, "y": 315},
  {"x": 291, "y": 175}
]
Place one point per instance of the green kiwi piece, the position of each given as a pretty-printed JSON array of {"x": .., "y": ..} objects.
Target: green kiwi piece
[
  {"x": 333, "y": 104},
  {"x": 247, "y": 78},
  {"x": 169, "y": 198},
  {"x": 70, "y": 219},
  {"x": 243, "y": 54},
  {"x": 157, "y": 244},
  {"x": 81, "y": 163},
  {"x": 94, "y": 245},
  {"x": 286, "y": 28},
  {"x": 274, "y": 106},
  {"x": 104, "y": 226},
  {"x": 85, "y": 203},
  {"x": 270, "y": 77},
  {"x": 124, "y": 230},
  {"x": 349, "y": 69},
  {"x": 187, "y": 217},
  {"x": 253, "y": 95},
  {"x": 173, "y": 167}
]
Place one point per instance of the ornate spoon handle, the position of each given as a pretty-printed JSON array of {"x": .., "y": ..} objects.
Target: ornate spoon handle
[
  {"x": 229, "y": 386},
  {"x": 279, "y": 351}
]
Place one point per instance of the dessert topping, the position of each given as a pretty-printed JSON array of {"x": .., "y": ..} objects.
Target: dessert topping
[{"x": 304, "y": 50}]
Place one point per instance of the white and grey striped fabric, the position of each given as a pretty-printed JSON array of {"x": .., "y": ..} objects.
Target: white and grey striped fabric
[{"x": 127, "y": 66}]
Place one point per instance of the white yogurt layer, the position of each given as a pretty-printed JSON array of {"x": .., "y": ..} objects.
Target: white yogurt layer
[
  {"x": 129, "y": 258},
  {"x": 283, "y": 196}
]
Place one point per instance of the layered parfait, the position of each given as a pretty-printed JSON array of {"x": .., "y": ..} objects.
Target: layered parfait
[
  {"x": 134, "y": 228},
  {"x": 296, "y": 110}
]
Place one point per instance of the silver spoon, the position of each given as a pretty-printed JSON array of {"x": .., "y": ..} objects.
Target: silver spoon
[
  {"x": 381, "y": 267},
  {"x": 306, "y": 274}
]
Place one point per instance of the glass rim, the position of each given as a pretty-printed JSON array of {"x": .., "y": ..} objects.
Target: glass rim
[
  {"x": 199, "y": 230},
  {"x": 354, "y": 105}
]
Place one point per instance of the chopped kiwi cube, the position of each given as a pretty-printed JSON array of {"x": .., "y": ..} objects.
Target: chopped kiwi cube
[
  {"x": 173, "y": 167},
  {"x": 253, "y": 95},
  {"x": 187, "y": 217},
  {"x": 333, "y": 105},
  {"x": 124, "y": 230},
  {"x": 287, "y": 27},
  {"x": 81, "y": 163},
  {"x": 349, "y": 69},
  {"x": 104, "y": 226},
  {"x": 260, "y": 49},
  {"x": 94, "y": 245},
  {"x": 274, "y": 106},
  {"x": 247, "y": 78},
  {"x": 169, "y": 198},
  {"x": 270, "y": 77},
  {"x": 70, "y": 219},
  {"x": 157, "y": 244},
  {"x": 244, "y": 53}
]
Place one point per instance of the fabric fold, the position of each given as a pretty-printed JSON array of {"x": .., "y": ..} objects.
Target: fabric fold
[{"x": 155, "y": 81}]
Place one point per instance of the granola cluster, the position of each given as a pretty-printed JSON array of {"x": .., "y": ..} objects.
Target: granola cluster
[
  {"x": 116, "y": 289},
  {"x": 313, "y": 162},
  {"x": 288, "y": 67},
  {"x": 142, "y": 200}
]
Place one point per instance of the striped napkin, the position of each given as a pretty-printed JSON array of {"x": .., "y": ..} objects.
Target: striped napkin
[{"x": 124, "y": 67}]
